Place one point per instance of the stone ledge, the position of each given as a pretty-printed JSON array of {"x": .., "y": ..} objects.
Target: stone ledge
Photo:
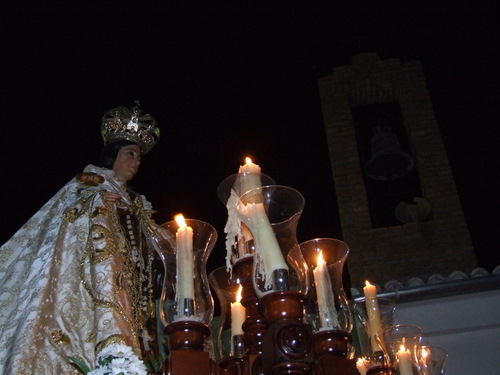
[{"x": 437, "y": 286}]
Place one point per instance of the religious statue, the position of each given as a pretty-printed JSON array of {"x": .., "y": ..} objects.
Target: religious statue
[{"x": 78, "y": 279}]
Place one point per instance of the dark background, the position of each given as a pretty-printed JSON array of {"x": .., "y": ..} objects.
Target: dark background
[{"x": 235, "y": 81}]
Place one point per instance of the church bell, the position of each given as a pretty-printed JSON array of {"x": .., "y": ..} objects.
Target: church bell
[{"x": 388, "y": 161}]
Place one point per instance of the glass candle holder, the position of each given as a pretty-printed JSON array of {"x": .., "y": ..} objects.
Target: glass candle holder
[
  {"x": 271, "y": 213},
  {"x": 386, "y": 309},
  {"x": 237, "y": 184},
  {"x": 327, "y": 307},
  {"x": 239, "y": 240},
  {"x": 187, "y": 298},
  {"x": 230, "y": 335},
  {"x": 403, "y": 347},
  {"x": 432, "y": 360}
]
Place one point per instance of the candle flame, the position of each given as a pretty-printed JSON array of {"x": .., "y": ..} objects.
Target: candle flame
[
  {"x": 320, "y": 260},
  {"x": 238, "y": 294},
  {"x": 180, "y": 220},
  {"x": 425, "y": 353},
  {"x": 367, "y": 283},
  {"x": 248, "y": 160},
  {"x": 402, "y": 348}
]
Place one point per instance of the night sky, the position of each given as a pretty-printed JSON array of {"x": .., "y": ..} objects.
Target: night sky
[{"x": 232, "y": 82}]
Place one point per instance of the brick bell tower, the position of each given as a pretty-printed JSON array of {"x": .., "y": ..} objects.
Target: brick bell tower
[{"x": 398, "y": 204}]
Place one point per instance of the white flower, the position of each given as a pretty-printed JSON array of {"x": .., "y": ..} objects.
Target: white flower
[
  {"x": 138, "y": 368},
  {"x": 122, "y": 360},
  {"x": 116, "y": 350},
  {"x": 98, "y": 371},
  {"x": 119, "y": 362},
  {"x": 118, "y": 371}
]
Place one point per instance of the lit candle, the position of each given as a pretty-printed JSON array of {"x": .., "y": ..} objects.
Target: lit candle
[
  {"x": 361, "y": 366},
  {"x": 249, "y": 176},
  {"x": 247, "y": 179},
  {"x": 185, "y": 264},
  {"x": 373, "y": 312},
  {"x": 404, "y": 360},
  {"x": 326, "y": 302},
  {"x": 238, "y": 315}
]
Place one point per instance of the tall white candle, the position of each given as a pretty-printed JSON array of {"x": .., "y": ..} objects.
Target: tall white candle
[
  {"x": 185, "y": 262},
  {"x": 326, "y": 302},
  {"x": 238, "y": 315},
  {"x": 373, "y": 312},
  {"x": 404, "y": 360},
  {"x": 249, "y": 176},
  {"x": 264, "y": 237}
]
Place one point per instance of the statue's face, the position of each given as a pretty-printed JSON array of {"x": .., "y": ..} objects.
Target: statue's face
[{"x": 127, "y": 162}]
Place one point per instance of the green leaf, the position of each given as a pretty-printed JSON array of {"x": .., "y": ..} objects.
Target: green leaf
[
  {"x": 80, "y": 364},
  {"x": 155, "y": 364}
]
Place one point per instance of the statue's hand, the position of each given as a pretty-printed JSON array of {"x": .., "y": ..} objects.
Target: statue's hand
[
  {"x": 111, "y": 197},
  {"x": 111, "y": 200}
]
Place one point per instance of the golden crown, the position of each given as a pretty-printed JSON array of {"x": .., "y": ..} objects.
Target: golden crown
[{"x": 130, "y": 124}]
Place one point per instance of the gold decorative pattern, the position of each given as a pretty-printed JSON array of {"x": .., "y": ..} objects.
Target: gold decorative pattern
[
  {"x": 104, "y": 245},
  {"x": 114, "y": 339},
  {"x": 78, "y": 209},
  {"x": 128, "y": 280},
  {"x": 59, "y": 337},
  {"x": 89, "y": 179},
  {"x": 99, "y": 211},
  {"x": 130, "y": 124}
]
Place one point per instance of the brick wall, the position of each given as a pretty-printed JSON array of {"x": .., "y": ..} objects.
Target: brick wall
[{"x": 439, "y": 245}]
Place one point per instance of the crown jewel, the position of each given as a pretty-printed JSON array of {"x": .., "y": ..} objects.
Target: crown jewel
[{"x": 130, "y": 124}]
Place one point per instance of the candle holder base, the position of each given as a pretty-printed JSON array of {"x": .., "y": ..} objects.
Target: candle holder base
[
  {"x": 287, "y": 343},
  {"x": 255, "y": 324},
  {"x": 334, "y": 343},
  {"x": 282, "y": 305},
  {"x": 254, "y": 328},
  {"x": 187, "y": 335},
  {"x": 188, "y": 362}
]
